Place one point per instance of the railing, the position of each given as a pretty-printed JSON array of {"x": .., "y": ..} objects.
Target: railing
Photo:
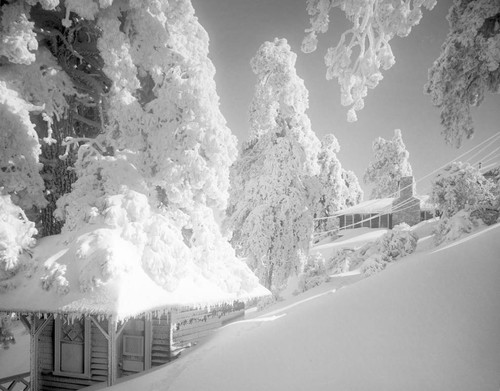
[{"x": 19, "y": 382}]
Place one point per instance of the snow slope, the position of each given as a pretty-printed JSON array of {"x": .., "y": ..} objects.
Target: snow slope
[
  {"x": 429, "y": 322},
  {"x": 350, "y": 238}
]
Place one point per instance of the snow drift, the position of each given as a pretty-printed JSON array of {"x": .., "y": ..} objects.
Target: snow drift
[{"x": 429, "y": 322}]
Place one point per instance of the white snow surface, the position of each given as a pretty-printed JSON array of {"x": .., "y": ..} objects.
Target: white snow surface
[
  {"x": 429, "y": 322},
  {"x": 349, "y": 238},
  {"x": 99, "y": 272}
]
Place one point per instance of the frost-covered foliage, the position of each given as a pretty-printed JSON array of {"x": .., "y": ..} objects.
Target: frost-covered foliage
[
  {"x": 154, "y": 171},
  {"x": 20, "y": 150},
  {"x": 16, "y": 32},
  {"x": 390, "y": 164},
  {"x": 341, "y": 260},
  {"x": 268, "y": 210},
  {"x": 363, "y": 50},
  {"x": 335, "y": 187},
  {"x": 6, "y": 334},
  {"x": 353, "y": 194},
  {"x": 375, "y": 256},
  {"x": 395, "y": 244},
  {"x": 461, "y": 186},
  {"x": 314, "y": 274},
  {"x": 168, "y": 176},
  {"x": 16, "y": 239},
  {"x": 468, "y": 67},
  {"x": 454, "y": 227}
]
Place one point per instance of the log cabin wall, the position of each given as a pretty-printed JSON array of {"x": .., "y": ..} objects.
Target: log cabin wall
[
  {"x": 189, "y": 326},
  {"x": 49, "y": 380},
  {"x": 161, "y": 340}
]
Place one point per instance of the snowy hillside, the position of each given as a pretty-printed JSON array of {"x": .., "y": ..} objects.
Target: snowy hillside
[{"x": 429, "y": 322}]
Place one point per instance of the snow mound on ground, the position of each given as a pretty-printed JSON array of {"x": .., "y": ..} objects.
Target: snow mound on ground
[{"x": 430, "y": 323}]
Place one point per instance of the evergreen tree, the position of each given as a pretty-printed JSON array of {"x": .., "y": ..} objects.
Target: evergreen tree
[
  {"x": 268, "y": 211},
  {"x": 337, "y": 188},
  {"x": 390, "y": 164},
  {"x": 468, "y": 67},
  {"x": 155, "y": 172}
]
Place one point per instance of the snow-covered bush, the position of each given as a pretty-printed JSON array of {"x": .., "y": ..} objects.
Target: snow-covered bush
[
  {"x": 315, "y": 272},
  {"x": 374, "y": 264},
  {"x": 341, "y": 261},
  {"x": 397, "y": 243},
  {"x": 6, "y": 334},
  {"x": 461, "y": 186},
  {"x": 374, "y": 256},
  {"x": 16, "y": 238},
  {"x": 452, "y": 228}
]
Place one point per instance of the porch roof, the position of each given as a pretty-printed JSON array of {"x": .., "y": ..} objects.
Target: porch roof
[{"x": 114, "y": 283}]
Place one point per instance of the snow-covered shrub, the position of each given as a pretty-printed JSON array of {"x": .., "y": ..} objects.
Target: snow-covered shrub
[
  {"x": 461, "y": 186},
  {"x": 374, "y": 264},
  {"x": 453, "y": 228},
  {"x": 16, "y": 238},
  {"x": 398, "y": 242},
  {"x": 6, "y": 335},
  {"x": 54, "y": 277},
  {"x": 315, "y": 272},
  {"x": 395, "y": 244},
  {"x": 340, "y": 261}
]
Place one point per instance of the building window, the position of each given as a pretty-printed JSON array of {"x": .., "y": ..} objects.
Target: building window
[{"x": 72, "y": 347}]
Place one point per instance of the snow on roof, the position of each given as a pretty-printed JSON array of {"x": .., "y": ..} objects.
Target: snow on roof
[
  {"x": 98, "y": 272},
  {"x": 371, "y": 206},
  {"x": 383, "y": 205}
]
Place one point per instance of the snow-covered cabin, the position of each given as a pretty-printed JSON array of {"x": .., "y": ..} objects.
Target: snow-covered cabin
[
  {"x": 98, "y": 319},
  {"x": 407, "y": 208}
]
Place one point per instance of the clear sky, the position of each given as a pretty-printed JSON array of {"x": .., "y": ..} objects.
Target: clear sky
[{"x": 238, "y": 27}]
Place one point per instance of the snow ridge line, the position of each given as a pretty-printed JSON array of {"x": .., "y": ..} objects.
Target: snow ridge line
[{"x": 296, "y": 304}]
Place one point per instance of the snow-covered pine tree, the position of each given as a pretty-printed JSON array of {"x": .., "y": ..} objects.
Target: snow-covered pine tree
[
  {"x": 56, "y": 70},
  {"x": 336, "y": 187},
  {"x": 468, "y": 67},
  {"x": 157, "y": 175},
  {"x": 390, "y": 164},
  {"x": 269, "y": 200},
  {"x": 353, "y": 194}
]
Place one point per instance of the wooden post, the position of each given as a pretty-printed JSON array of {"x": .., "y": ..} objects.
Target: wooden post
[
  {"x": 34, "y": 333},
  {"x": 148, "y": 341},
  {"x": 33, "y": 354},
  {"x": 112, "y": 364}
]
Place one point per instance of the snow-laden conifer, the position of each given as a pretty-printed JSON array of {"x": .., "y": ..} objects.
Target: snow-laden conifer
[
  {"x": 389, "y": 165},
  {"x": 336, "y": 188},
  {"x": 468, "y": 66},
  {"x": 152, "y": 180},
  {"x": 268, "y": 209}
]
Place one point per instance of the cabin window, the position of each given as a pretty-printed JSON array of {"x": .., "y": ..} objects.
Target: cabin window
[{"x": 72, "y": 347}]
